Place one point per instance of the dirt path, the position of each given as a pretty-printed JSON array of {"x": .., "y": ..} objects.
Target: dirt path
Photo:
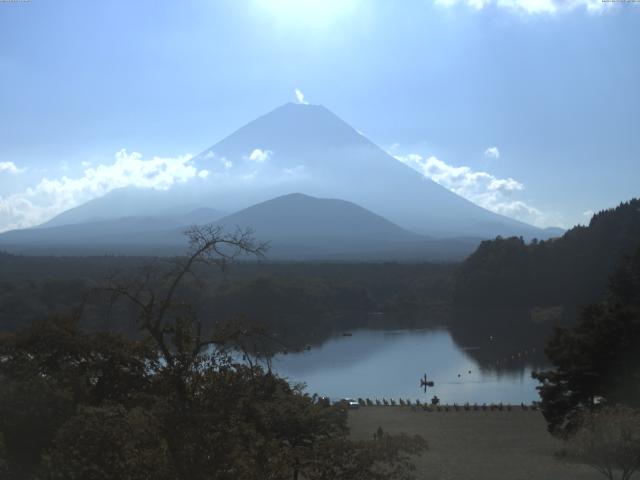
[{"x": 475, "y": 445}]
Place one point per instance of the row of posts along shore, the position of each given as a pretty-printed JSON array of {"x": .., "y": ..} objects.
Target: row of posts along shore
[{"x": 438, "y": 407}]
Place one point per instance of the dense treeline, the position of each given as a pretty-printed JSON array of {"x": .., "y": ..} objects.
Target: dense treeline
[
  {"x": 509, "y": 295},
  {"x": 570, "y": 271},
  {"x": 300, "y": 302}
]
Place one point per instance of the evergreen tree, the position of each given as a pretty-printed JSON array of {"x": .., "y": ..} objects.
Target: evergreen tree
[{"x": 597, "y": 361}]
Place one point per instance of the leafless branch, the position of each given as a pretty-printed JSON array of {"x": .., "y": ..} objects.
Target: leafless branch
[{"x": 153, "y": 291}]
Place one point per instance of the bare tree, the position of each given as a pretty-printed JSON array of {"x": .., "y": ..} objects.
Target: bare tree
[
  {"x": 609, "y": 441},
  {"x": 171, "y": 322}
]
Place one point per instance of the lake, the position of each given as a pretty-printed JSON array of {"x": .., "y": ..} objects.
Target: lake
[{"x": 376, "y": 364}]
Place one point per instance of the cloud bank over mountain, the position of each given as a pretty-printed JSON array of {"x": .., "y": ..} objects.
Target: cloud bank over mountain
[
  {"x": 482, "y": 188},
  {"x": 53, "y": 196}
]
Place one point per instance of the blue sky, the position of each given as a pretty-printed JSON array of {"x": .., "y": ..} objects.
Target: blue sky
[{"x": 540, "y": 96}]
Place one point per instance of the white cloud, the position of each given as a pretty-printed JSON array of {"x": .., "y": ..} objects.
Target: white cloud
[
  {"x": 481, "y": 188},
  {"x": 300, "y": 97},
  {"x": 531, "y": 7},
  {"x": 51, "y": 197},
  {"x": 502, "y": 184},
  {"x": 588, "y": 214},
  {"x": 492, "y": 152},
  {"x": 248, "y": 177},
  {"x": 226, "y": 163},
  {"x": 295, "y": 171},
  {"x": 259, "y": 156},
  {"x": 10, "y": 167}
]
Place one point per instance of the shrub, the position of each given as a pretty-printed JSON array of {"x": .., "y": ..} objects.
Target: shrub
[{"x": 609, "y": 440}]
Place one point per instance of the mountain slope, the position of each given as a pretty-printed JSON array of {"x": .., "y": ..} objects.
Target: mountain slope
[
  {"x": 301, "y": 217},
  {"x": 297, "y": 227},
  {"x": 301, "y": 227},
  {"x": 128, "y": 202},
  {"x": 308, "y": 149},
  {"x": 315, "y": 152},
  {"x": 111, "y": 235}
]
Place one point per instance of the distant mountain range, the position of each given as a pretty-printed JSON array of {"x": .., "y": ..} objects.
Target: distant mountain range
[
  {"x": 100, "y": 235},
  {"x": 379, "y": 204},
  {"x": 296, "y": 226},
  {"x": 135, "y": 202}
]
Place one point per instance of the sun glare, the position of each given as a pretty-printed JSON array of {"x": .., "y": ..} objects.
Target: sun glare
[{"x": 308, "y": 13}]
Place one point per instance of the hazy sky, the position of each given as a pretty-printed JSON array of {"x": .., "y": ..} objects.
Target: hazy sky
[{"x": 541, "y": 96}]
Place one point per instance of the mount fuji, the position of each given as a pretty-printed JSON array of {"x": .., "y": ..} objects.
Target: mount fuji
[{"x": 296, "y": 148}]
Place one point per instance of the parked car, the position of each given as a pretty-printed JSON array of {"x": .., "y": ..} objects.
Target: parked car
[{"x": 351, "y": 403}]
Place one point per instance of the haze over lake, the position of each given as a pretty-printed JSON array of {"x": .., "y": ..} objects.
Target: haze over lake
[{"x": 389, "y": 364}]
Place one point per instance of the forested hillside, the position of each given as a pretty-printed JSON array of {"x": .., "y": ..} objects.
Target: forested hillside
[
  {"x": 300, "y": 303},
  {"x": 567, "y": 271}
]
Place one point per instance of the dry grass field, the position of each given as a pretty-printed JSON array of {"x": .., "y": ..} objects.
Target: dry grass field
[{"x": 475, "y": 445}]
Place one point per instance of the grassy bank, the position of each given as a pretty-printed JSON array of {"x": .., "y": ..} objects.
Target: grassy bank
[{"x": 475, "y": 445}]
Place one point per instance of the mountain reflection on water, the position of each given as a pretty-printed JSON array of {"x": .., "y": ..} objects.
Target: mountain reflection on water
[{"x": 389, "y": 364}]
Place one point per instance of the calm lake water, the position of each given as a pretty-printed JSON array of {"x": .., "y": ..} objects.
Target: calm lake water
[{"x": 389, "y": 364}]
